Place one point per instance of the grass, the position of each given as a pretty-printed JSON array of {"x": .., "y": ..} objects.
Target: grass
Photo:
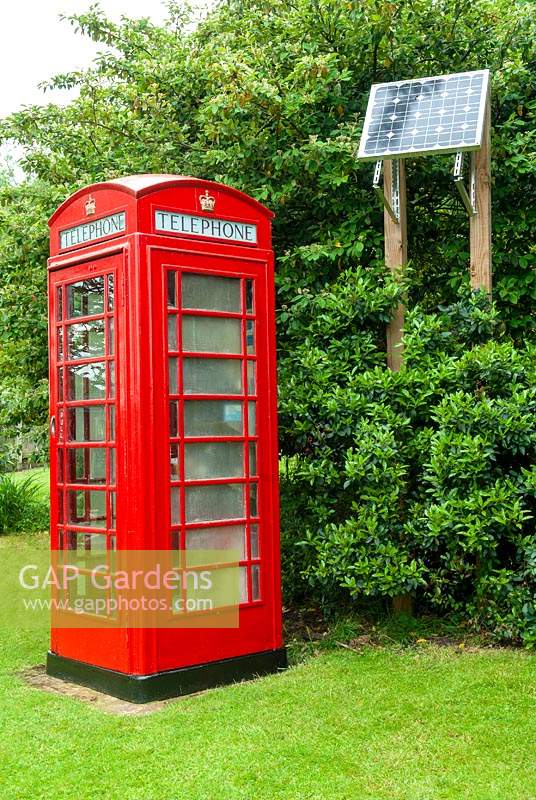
[
  {"x": 379, "y": 723},
  {"x": 41, "y": 476}
]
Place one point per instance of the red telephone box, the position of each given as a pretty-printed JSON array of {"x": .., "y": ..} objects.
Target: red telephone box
[{"x": 163, "y": 416}]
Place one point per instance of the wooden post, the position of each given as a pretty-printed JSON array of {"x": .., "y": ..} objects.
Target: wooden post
[
  {"x": 396, "y": 256},
  {"x": 480, "y": 223}
]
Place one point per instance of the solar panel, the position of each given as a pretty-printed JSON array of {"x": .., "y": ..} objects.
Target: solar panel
[{"x": 443, "y": 114}]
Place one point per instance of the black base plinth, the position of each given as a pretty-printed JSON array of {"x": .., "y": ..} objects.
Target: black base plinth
[{"x": 171, "y": 683}]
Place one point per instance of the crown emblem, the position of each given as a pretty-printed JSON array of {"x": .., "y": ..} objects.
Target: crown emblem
[
  {"x": 91, "y": 206},
  {"x": 208, "y": 202}
]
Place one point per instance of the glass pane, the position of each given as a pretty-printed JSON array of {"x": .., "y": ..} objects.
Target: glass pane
[
  {"x": 210, "y": 292},
  {"x": 212, "y": 376},
  {"x": 59, "y": 303},
  {"x": 253, "y": 511},
  {"x": 242, "y": 584},
  {"x": 86, "y": 465},
  {"x": 60, "y": 506},
  {"x": 87, "y": 424},
  {"x": 60, "y": 344},
  {"x": 255, "y": 582},
  {"x": 111, "y": 379},
  {"x": 252, "y": 418},
  {"x": 211, "y": 335},
  {"x": 86, "y": 382},
  {"x": 206, "y": 503},
  {"x": 110, "y": 292},
  {"x": 213, "y": 460},
  {"x": 224, "y": 590},
  {"x": 212, "y": 418},
  {"x": 112, "y": 464},
  {"x": 112, "y": 423},
  {"x": 172, "y": 332},
  {"x": 60, "y": 384},
  {"x": 60, "y": 466},
  {"x": 173, "y": 375},
  {"x": 254, "y": 539},
  {"x": 249, "y": 296},
  {"x": 174, "y": 462},
  {"x": 251, "y": 377},
  {"x": 86, "y": 339},
  {"x": 250, "y": 336},
  {"x": 174, "y": 418},
  {"x": 87, "y": 508},
  {"x": 175, "y": 506},
  {"x": 172, "y": 289},
  {"x": 89, "y": 542},
  {"x": 252, "y": 459},
  {"x": 226, "y": 537},
  {"x": 86, "y": 297},
  {"x": 112, "y": 510},
  {"x": 110, "y": 336}
]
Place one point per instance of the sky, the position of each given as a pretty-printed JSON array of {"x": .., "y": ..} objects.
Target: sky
[{"x": 35, "y": 44}]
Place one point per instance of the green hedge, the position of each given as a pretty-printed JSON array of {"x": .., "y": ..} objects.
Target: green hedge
[{"x": 421, "y": 481}]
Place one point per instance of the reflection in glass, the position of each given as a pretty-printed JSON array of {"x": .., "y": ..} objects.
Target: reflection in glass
[
  {"x": 174, "y": 418},
  {"x": 249, "y": 296},
  {"x": 173, "y": 375},
  {"x": 172, "y": 332},
  {"x": 112, "y": 422},
  {"x": 86, "y": 297},
  {"x": 86, "y": 339},
  {"x": 174, "y": 461},
  {"x": 111, "y": 450},
  {"x": 110, "y": 292},
  {"x": 172, "y": 289},
  {"x": 87, "y": 424},
  {"x": 250, "y": 336},
  {"x": 60, "y": 466},
  {"x": 87, "y": 381},
  {"x": 60, "y": 507},
  {"x": 254, "y": 539},
  {"x": 252, "y": 459},
  {"x": 60, "y": 344},
  {"x": 86, "y": 465},
  {"x": 59, "y": 303},
  {"x": 87, "y": 508},
  {"x": 213, "y": 418},
  {"x": 251, "y": 377},
  {"x": 113, "y": 519},
  {"x": 210, "y": 292},
  {"x": 212, "y": 376},
  {"x": 111, "y": 379},
  {"x": 211, "y": 335},
  {"x": 213, "y": 460},
  {"x": 253, "y": 511},
  {"x": 60, "y": 384},
  {"x": 252, "y": 418},
  {"x": 111, "y": 344},
  {"x": 255, "y": 582},
  {"x": 206, "y": 503},
  {"x": 175, "y": 506},
  {"x": 224, "y": 537}
]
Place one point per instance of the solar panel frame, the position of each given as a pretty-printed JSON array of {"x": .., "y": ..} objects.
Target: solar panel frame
[{"x": 401, "y": 152}]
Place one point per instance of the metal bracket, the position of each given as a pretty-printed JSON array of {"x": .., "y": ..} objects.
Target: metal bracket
[
  {"x": 392, "y": 204},
  {"x": 469, "y": 200}
]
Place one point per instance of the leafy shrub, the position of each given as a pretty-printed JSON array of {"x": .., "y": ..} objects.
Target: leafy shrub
[
  {"x": 423, "y": 481},
  {"x": 21, "y": 506}
]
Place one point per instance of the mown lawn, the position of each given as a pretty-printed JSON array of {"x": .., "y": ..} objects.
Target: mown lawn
[{"x": 416, "y": 723}]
